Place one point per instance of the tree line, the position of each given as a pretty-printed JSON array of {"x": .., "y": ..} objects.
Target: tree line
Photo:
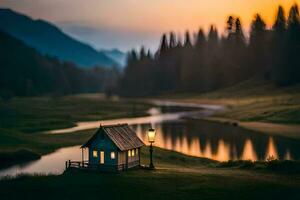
[
  {"x": 207, "y": 62},
  {"x": 25, "y": 72}
]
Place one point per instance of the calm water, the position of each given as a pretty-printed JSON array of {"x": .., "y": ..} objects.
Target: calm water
[
  {"x": 219, "y": 141},
  {"x": 53, "y": 163},
  {"x": 174, "y": 132}
]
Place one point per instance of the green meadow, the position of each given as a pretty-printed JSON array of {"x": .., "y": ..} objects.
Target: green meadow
[
  {"x": 25, "y": 120},
  {"x": 257, "y": 105},
  {"x": 176, "y": 176}
]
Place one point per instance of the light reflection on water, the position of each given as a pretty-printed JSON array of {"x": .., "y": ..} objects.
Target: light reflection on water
[
  {"x": 230, "y": 143},
  {"x": 53, "y": 163},
  {"x": 192, "y": 137},
  {"x": 249, "y": 152}
]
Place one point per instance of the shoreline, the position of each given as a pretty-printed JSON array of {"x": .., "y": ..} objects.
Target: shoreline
[
  {"x": 77, "y": 136},
  {"x": 283, "y": 130},
  {"x": 291, "y": 131}
]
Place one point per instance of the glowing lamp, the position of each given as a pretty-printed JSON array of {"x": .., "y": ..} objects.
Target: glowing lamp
[
  {"x": 151, "y": 139},
  {"x": 151, "y": 135}
]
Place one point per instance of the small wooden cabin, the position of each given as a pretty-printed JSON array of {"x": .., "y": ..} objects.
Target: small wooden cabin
[{"x": 114, "y": 148}]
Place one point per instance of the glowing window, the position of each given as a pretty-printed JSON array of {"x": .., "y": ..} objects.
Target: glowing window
[
  {"x": 112, "y": 155},
  {"x": 95, "y": 153},
  {"x": 129, "y": 153},
  {"x": 137, "y": 151},
  {"x": 132, "y": 152},
  {"x": 101, "y": 157}
]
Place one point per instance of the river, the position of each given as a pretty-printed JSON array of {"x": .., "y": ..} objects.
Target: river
[{"x": 177, "y": 131}]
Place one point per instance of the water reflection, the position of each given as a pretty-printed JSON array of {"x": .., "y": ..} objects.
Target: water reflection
[
  {"x": 287, "y": 155},
  {"x": 271, "y": 151},
  {"x": 192, "y": 137},
  {"x": 219, "y": 142},
  {"x": 249, "y": 152},
  {"x": 53, "y": 163}
]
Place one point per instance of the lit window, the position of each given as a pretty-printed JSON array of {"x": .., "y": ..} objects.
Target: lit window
[
  {"x": 101, "y": 157},
  {"x": 112, "y": 155},
  {"x": 137, "y": 151},
  {"x": 95, "y": 153},
  {"x": 129, "y": 153},
  {"x": 132, "y": 152}
]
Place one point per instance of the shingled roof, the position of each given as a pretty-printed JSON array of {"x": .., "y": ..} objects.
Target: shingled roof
[{"x": 121, "y": 135}]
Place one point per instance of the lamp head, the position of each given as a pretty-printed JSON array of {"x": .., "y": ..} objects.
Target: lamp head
[{"x": 151, "y": 135}]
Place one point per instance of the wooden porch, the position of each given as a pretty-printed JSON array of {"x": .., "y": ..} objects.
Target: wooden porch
[{"x": 85, "y": 165}]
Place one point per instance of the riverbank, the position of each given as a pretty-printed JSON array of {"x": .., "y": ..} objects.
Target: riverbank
[
  {"x": 21, "y": 157},
  {"x": 262, "y": 107},
  {"x": 38, "y": 114},
  {"x": 16, "y": 134},
  {"x": 24, "y": 120},
  {"x": 285, "y": 130},
  {"x": 26, "y": 131},
  {"x": 177, "y": 176}
]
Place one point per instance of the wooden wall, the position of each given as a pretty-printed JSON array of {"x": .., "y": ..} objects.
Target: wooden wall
[{"x": 103, "y": 143}]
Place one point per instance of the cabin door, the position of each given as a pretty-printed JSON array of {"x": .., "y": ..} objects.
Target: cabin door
[{"x": 101, "y": 157}]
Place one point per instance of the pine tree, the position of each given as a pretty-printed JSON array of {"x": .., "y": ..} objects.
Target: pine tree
[
  {"x": 132, "y": 57},
  {"x": 163, "y": 45},
  {"x": 187, "y": 39},
  {"x": 280, "y": 22},
  {"x": 258, "y": 47},
  {"x": 279, "y": 47},
  {"x": 258, "y": 27},
  {"x": 142, "y": 53},
  {"x": 172, "y": 43},
  {"x": 239, "y": 35},
  {"x": 200, "y": 40},
  {"x": 149, "y": 54},
  {"x": 293, "y": 46},
  {"x": 179, "y": 42},
  {"x": 230, "y": 22},
  {"x": 213, "y": 37}
]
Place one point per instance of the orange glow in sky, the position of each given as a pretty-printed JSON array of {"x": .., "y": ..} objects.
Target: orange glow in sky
[
  {"x": 148, "y": 16},
  {"x": 181, "y": 15}
]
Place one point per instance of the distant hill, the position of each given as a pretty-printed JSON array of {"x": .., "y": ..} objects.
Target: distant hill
[
  {"x": 117, "y": 55},
  {"x": 50, "y": 40},
  {"x": 25, "y": 72}
]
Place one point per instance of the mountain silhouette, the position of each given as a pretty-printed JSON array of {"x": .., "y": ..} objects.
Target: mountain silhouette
[
  {"x": 50, "y": 40},
  {"x": 116, "y": 55},
  {"x": 25, "y": 72}
]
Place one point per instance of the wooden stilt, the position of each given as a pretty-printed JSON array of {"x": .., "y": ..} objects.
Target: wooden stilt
[{"x": 82, "y": 156}]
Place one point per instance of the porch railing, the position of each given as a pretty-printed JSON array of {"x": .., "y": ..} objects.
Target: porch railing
[{"x": 106, "y": 167}]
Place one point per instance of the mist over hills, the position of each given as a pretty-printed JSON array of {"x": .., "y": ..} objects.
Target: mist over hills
[
  {"x": 25, "y": 72},
  {"x": 116, "y": 55},
  {"x": 50, "y": 40}
]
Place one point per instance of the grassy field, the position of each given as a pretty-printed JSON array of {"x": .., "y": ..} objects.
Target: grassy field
[
  {"x": 255, "y": 105},
  {"x": 31, "y": 146},
  {"x": 23, "y": 121},
  {"x": 160, "y": 184},
  {"x": 36, "y": 114},
  {"x": 177, "y": 177}
]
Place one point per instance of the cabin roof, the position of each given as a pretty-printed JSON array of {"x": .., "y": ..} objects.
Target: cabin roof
[{"x": 121, "y": 135}]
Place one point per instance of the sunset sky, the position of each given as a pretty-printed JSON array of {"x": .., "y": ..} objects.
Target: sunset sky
[{"x": 125, "y": 24}]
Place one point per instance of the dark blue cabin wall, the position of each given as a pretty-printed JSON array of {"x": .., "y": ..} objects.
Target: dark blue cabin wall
[{"x": 103, "y": 143}]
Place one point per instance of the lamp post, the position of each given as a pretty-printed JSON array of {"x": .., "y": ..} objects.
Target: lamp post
[{"x": 151, "y": 139}]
